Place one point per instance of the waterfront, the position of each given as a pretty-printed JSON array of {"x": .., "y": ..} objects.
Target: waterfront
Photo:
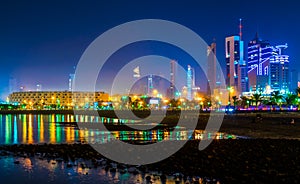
[
  {"x": 61, "y": 128},
  {"x": 27, "y": 149},
  {"x": 50, "y": 145}
]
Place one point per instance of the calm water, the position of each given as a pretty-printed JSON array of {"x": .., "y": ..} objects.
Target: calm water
[
  {"x": 34, "y": 170},
  {"x": 56, "y": 128}
]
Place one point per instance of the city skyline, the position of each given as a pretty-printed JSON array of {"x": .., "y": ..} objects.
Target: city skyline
[{"x": 43, "y": 49}]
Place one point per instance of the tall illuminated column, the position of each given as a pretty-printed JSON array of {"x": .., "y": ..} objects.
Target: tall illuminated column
[
  {"x": 71, "y": 81},
  {"x": 189, "y": 82},
  {"x": 150, "y": 85}
]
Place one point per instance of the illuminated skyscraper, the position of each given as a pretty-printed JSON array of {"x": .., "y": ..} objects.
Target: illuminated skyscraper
[
  {"x": 171, "y": 89},
  {"x": 268, "y": 67},
  {"x": 211, "y": 68},
  {"x": 279, "y": 77},
  {"x": 71, "y": 81},
  {"x": 189, "y": 82},
  {"x": 243, "y": 64},
  {"x": 234, "y": 62},
  {"x": 236, "y": 66},
  {"x": 150, "y": 85},
  {"x": 259, "y": 54}
]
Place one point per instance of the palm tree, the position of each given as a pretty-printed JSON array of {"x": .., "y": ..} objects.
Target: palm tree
[
  {"x": 244, "y": 101},
  {"x": 256, "y": 97},
  {"x": 276, "y": 97},
  {"x": 207, "y": 101},
  {"x": 234, "y": 98},
  {"x": 174, "y": 103},
  {"x": 290, "y": 99}
]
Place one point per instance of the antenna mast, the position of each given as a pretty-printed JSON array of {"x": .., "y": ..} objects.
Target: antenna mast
[{"x": 240, "y": 29}]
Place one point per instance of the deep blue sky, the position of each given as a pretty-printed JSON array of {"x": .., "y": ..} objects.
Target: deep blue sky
[{"x": 41, "y": 41}]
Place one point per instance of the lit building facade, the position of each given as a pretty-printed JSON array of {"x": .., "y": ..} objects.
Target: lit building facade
[
  {"x": 32, "y": 99},
  {"x": 259, "y": 54},
  {"x": 235, "y": 65},
  {"x": 171, "y": 90},
  {"x": 279, "y": 77},
  {"x": 211, "y": 68},
  {"x": 189, "y": 82},
  {"x": 150, "y": 85},
  {"x": 268, "y": 67}
]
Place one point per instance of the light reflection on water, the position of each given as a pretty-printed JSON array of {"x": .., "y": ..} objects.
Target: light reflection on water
[
  {"x": 58, "y": 128},
  {"x": 34, "y": 170},
  {"x": 32, "y": 129}
]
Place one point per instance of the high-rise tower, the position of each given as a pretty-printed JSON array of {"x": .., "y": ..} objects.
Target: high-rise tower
[
  {"x": 243, "y": 64},
  {"x": 189, "y": 82},
  {"x": 150, "y": 85},
  {"x": 234, "y": 57},
  {"x": 268, "y": 67},
  {"x": 171, "y": 89},
  {"x": 71, "y": 81},
  {"x": 211, "y": 68},
  {"x": 259, "y": 53},
  {"x": 279, "y": 77},
  {"x": 236, "y": 66}
]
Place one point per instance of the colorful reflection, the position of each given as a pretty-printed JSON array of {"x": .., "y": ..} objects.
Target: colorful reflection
[
  {"x": 152, "y": 136},
  {"x": 58, "y": 128},
  {"x": 34, "y": 129},
  {"x": 35, "y": 170}
]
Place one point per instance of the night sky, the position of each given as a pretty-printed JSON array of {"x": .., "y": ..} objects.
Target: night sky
[{"x": 41, "y": 41}]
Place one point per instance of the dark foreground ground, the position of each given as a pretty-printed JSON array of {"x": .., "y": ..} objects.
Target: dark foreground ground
[{"x": 230, "y": 161}]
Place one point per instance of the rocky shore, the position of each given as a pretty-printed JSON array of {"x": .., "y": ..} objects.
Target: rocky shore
[{"x": 229, "y": 161}]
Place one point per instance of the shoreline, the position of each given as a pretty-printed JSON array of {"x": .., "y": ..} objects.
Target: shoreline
[
  {"x": 254, "y": 125},
  {"x": 240, "y": 160}
]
